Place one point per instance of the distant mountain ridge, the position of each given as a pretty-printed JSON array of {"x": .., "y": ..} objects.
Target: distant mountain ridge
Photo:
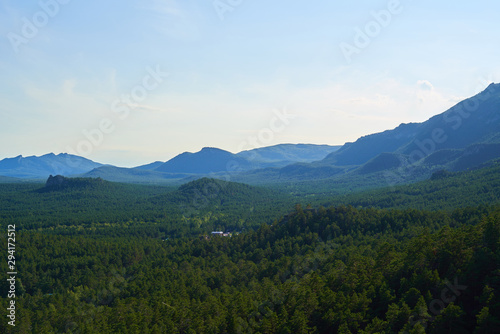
[
  {"x": 150, "y": 166},
  {"x": 460, "y": 138},
  {"x": 34, "y": 167},
  {"x": 188, "y": 166},
  {"x": 213, "y": 160},
  {"x": 208, "y": 160},
  {"x": 284, "y": 154}
]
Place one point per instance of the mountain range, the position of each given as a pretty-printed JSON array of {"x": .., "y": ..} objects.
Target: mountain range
[
  {"x": 463, "y": 137},
  {"x": 41, "y": 167},
  {"x": 208, "y": 161}
]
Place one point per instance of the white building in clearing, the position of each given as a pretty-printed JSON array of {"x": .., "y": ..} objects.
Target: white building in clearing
[{"x": 220, "y": 233}]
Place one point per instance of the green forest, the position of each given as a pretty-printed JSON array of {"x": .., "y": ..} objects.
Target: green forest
[{"x": 99, "y": 257}]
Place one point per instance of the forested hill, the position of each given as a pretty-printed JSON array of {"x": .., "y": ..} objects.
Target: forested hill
[
  {"x": 222, "y": 205},
  {"x": 200, "y": 205},
  {"x": 214, "y": 189},
  {"x": 59, "y": 182},
  {"x": 442, "y": 191}
]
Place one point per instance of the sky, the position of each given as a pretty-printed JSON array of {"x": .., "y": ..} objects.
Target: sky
[{"x": 131, "y": 82}]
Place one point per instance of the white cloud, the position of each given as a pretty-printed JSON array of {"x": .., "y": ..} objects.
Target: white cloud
[{"x": 424, "y": 85}]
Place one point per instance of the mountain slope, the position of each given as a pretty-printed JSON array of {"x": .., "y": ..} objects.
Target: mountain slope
[
  {"x": 208, "y": 160},
  {"x": 151, "y": 166},
  {"x": 443, "y": 190},
  {"x": 475, "y": 120},
  {"x": 41, "y": 167},
  {"x": 284, "y": 154},
  {"x": 384, "y": 161},
  {"x": 463, "y": 159},
  {"x": 368, "y": 147}
]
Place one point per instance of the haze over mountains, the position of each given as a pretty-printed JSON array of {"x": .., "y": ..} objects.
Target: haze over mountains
[
  {"x": 41, "y": 167},
  {"x": 462, "y": 137},
  {"x": 286, "y": 154},
  {"x": 207, "y": 161}
]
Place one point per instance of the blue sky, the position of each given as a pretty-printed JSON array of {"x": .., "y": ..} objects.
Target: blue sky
[{"x": 130, "y": 82}]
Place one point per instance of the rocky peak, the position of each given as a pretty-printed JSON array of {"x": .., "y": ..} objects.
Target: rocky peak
[{"x": 55, "y": 181}]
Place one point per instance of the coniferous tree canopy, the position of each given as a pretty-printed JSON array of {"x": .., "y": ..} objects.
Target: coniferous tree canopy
[{"x": 101, "y": 257}]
